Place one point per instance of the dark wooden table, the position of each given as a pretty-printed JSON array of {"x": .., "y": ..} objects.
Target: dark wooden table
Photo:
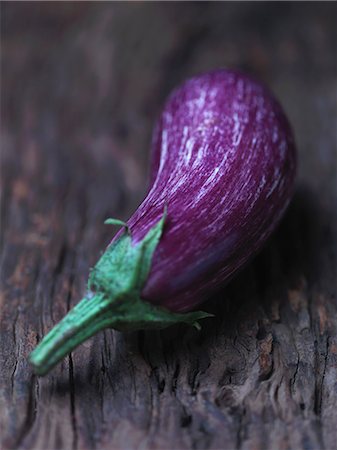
[{"x": 82, "y": 84}]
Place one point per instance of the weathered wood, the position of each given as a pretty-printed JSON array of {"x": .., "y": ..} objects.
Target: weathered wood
[{"x": 81, "y": 86}]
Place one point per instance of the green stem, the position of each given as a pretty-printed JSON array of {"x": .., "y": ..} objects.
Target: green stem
[{"x": 92, "y": 314}]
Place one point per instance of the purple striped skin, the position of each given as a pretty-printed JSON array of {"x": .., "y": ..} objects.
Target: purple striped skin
[{"x": 224, "y": 162}]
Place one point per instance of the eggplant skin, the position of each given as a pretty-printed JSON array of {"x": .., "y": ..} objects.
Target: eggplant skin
[{"x": 224, "y": 163}]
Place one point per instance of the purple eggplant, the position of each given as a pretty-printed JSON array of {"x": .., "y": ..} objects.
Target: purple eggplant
[
  {"x": 224, "y": 163},
  {"x": 223, "y": 169}
]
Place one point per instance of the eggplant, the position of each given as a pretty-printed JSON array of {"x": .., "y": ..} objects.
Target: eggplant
[{"x": 222, "y": 175}]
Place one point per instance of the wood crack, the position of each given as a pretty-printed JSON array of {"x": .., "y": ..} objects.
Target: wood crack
[
  {"x": 72, "y": 403},
  {"x": 30, "y": 415},
  {"x": 319, "y": 385}
]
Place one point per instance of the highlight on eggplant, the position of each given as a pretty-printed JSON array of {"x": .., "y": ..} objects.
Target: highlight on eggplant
[{"x": 222, "y": 174}]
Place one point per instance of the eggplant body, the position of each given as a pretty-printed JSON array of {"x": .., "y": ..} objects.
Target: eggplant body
[{"x": 224, "y": 162}]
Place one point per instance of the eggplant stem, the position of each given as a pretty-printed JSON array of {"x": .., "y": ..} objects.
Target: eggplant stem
[{"x": 92, "y": 314}]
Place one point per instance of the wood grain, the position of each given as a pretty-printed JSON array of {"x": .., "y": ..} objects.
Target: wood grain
[{"x": 82, "y": 84}]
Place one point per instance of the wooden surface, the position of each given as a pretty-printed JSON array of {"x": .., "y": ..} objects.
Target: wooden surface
[{"x": 82, "y": 84}]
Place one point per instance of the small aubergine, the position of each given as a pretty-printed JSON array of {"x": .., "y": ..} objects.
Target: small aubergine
[{"x": 223, "y": 169}]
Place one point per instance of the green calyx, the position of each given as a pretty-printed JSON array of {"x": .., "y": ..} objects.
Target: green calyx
[{"x": 113, "y": 300}]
